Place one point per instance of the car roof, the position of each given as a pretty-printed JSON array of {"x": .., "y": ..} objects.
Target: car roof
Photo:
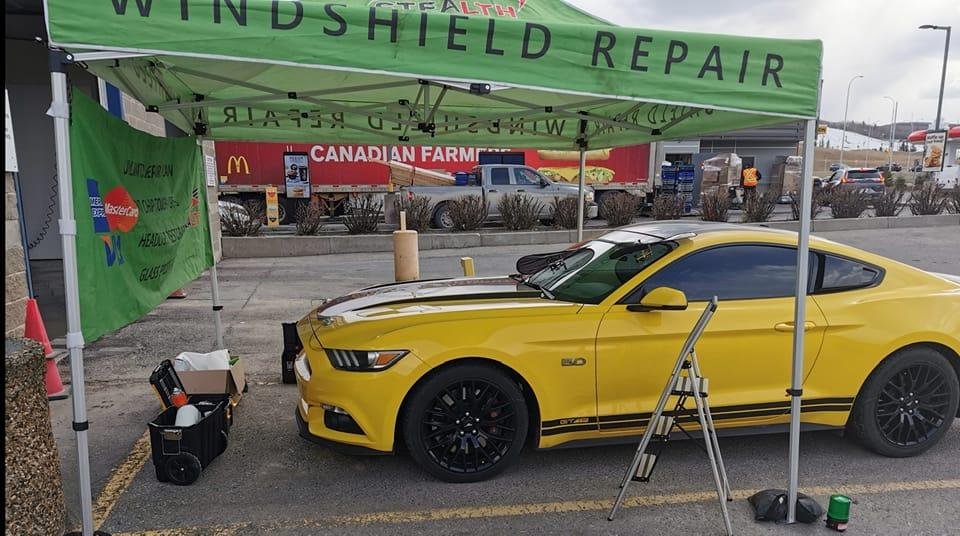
[{"x": 665, "y": 229}]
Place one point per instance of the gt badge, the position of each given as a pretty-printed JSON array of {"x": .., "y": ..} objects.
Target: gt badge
[{"x": 573, "y": 361}]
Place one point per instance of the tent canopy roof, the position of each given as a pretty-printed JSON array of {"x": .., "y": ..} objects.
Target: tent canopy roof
[{"x": 532, "y": 73}]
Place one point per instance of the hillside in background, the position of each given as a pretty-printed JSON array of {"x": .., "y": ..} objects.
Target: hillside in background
[{"x": 903, "y": 128}]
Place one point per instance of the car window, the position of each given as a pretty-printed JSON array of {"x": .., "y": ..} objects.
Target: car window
[
  {"x": 729, "y": 272},
  {"x": 610, "y": 267},
  {"x": 525, "y": 177},
  {"x": 500, "y": 176},
  {"x": 842, "y": 274},
  {"x": 857, "y": 176}
]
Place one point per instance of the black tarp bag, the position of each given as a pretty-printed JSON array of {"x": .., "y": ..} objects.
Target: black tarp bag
[{"x": 771, "y": 505}]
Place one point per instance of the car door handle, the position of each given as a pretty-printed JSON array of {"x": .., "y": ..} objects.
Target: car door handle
[
  {"x": 521, "y": 190},
  {"x": 493, "y": 191},
  {"x": 788, "y": 326}
]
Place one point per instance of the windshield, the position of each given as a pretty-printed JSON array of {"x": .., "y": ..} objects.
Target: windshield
[{"x": 594, "y": 271}]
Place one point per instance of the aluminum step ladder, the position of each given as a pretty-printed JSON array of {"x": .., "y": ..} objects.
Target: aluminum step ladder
[{"x": 685, "y": 383}]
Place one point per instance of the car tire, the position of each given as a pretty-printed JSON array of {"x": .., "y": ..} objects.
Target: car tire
[
  {"x": 442, "y": 217},
  {"x": 457, "y": 425},
  {"x": 907, "y": 404}
]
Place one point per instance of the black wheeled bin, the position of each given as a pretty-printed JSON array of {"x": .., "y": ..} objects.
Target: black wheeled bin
[{"x": 181, "y": 453}]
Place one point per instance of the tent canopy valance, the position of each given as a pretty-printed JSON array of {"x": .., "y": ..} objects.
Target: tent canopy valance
[{"x": 513, "y": 74}]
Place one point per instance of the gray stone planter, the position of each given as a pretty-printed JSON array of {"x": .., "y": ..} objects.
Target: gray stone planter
[{"x": 34, "y": 491}]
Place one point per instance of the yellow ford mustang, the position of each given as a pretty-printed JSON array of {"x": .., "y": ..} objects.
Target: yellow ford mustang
[{"x": 465, "y": 372}]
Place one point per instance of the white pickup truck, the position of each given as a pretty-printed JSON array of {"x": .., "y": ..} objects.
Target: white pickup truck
[{"x": 494, "y": 181}]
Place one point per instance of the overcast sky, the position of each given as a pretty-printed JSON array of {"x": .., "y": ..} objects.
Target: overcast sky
[{"x": 878, "y": 39}]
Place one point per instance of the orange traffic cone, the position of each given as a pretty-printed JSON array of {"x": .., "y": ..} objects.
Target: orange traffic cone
[
  {"x": 55, "y": 388},
  {"x": 34, "y": 329}
]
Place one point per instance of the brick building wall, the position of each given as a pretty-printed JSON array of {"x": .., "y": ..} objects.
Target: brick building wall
[
  {"x": 139, "y": 118},
  {"x": 15, "y": 283}
]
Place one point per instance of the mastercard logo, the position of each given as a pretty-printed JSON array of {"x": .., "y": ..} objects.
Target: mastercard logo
[{"x": 121, "y": 210}]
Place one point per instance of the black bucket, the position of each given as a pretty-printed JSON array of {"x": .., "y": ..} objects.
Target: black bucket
[{"x": 291, "y": 347}]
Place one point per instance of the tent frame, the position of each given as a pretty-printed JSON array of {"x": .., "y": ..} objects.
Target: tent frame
[{"x": 60, "y": 111}]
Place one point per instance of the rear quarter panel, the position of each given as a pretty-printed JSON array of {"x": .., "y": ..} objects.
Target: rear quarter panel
[{"x": 867, "y": 325}]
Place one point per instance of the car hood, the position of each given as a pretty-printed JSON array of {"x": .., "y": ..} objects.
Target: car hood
[
  {"x": 366, "y": 316},
  {"x": 430, "y": 291}
]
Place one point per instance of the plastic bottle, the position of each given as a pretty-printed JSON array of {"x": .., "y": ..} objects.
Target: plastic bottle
[{"x": 178, "y": 398}]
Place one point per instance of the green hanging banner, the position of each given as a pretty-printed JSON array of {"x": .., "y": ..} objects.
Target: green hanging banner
[{"x": 141, "y": 212}]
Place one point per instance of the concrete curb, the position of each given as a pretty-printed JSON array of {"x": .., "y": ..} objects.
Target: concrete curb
[{"x": 305, "y": 246}]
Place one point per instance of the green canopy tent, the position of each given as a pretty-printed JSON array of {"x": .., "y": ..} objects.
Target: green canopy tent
[{"x": 506, "y": 73}]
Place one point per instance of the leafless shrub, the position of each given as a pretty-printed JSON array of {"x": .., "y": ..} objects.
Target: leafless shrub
[
  {"x": 519, "y": 212},
  {"x": 757, "y": 208},
  {"x": 563, "y": 212},
  {"x": 362, "y": 215},
  {"x": 468, "y": 212},
  {"x": 927, "y": 199},
  {"x": 715, "y": 205},
  {"x": 888, "y": 204},
  {"x": 816, "y": 206},
  {"x": 419, "y": 211},
  {"x": 954, "y": 197},
  {"x": 310, "y": 218},
  {"x": 667, "y": 207},
  {"x": 242, "y": 220},
  {"x": 848, "y": 202},
  {"x": 619, "y": 208}
]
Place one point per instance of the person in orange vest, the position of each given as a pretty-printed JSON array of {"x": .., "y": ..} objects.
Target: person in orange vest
[{"x": 749, "y": 178}]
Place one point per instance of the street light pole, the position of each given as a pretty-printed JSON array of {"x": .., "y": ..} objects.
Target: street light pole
[
  {"x": 893, "y": 126},
  {"x": 843, "y": 140},
  {"x": 943, "y": 75}
]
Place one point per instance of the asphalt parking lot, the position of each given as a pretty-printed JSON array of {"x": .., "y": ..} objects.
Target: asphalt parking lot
[{"x": 269, "y": 481}]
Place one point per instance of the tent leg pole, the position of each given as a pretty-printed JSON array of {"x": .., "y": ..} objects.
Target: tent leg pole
[
  {"x": 800, "y": 312},
  {"x": 214, "y": 279},
  {"x": 60, "y": 111},
  {"x": 215, "y": 296},
  {"x": 580, "y": 193}
]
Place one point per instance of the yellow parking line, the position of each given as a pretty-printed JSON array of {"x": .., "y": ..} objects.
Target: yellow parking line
[
  {"x": 120, "y": 479},
  {"x": 514, "y": 510}
]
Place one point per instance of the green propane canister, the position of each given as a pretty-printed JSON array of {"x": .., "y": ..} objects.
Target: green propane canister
[{"x": 838, "y": 513}]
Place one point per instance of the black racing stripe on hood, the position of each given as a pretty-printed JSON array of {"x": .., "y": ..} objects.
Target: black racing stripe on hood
[{"x": 456, "y": 297}]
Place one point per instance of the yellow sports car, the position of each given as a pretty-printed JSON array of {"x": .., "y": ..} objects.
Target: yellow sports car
[{"x": 466, "y": 372}]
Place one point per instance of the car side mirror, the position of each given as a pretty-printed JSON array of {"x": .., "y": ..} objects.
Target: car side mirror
[
  {"x": 661, "y": 299},
  {"x": 544, "y": 183}
]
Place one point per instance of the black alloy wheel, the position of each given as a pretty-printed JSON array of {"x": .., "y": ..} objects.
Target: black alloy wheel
[
  {"x": 466, "y": 424},
  {"x": 907, "y": 404},
  {"x": 914, "y": 405}
]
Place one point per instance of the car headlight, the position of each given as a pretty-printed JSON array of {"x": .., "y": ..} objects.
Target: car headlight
[
  {"x": 364, "y": 360},
  {"x": 588, "y": 197}
]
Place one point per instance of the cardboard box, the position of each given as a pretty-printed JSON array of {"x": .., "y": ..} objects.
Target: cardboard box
[
  {"x": 792, "y": 175},
  {"x": 216, "y": 382},
  {"x": 722, "y": 170}
]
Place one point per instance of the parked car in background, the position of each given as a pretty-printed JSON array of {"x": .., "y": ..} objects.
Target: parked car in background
[
  {"x": 836, "y": 166},
  {"x": 887, "y": 167},
  {"x": 867, "y": 180},
  {"x": 492, "y": 182}
]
